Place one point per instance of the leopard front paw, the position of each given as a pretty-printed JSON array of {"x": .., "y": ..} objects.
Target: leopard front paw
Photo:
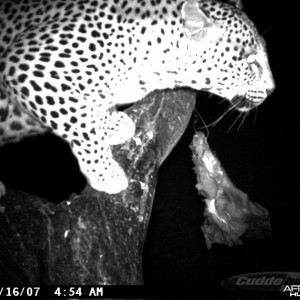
[
  {"x": 102, "y": 172},
  {"x": 111, "y": 179}
]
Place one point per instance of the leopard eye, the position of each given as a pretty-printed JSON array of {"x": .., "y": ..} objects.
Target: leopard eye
[
  {"x": 255, "y": 67},
  {"x": 253, "y": 64}
]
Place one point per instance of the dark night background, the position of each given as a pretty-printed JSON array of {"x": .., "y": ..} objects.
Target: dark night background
[{"x": 257, "y": 157}]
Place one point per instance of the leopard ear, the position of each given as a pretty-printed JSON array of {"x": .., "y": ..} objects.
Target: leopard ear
[
  {"x": 196, "y": 24},
  {"x": 237, "y": 3}
]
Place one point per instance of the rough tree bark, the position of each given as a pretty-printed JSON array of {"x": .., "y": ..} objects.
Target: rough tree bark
[{"x": 95, "y": 238}]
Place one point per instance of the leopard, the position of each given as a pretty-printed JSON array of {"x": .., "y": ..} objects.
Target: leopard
[{"x": 67, "y": 66}]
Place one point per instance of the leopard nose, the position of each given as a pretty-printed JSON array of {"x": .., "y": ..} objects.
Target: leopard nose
[
  {"x": 269, "y": 82},
  {"x": 270, "y": 91}
]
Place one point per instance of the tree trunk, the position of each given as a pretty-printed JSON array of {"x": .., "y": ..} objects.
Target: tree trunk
[{"x": 95, "y": 238}]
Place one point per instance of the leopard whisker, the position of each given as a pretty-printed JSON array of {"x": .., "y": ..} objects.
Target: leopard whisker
[
  {"x": 214, "y": 123},
  {"x": 198, "y": 117},
  {"x": 232, "y": 125},
  {"x": 245, "y": 114},
  {"x": 255, "y": 110}
]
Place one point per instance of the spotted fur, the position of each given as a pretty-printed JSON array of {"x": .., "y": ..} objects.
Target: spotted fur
[{"x": 64, "y": 66}]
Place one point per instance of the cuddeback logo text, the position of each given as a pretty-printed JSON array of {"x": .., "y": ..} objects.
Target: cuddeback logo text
[{"x": 280, "y": 282}]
